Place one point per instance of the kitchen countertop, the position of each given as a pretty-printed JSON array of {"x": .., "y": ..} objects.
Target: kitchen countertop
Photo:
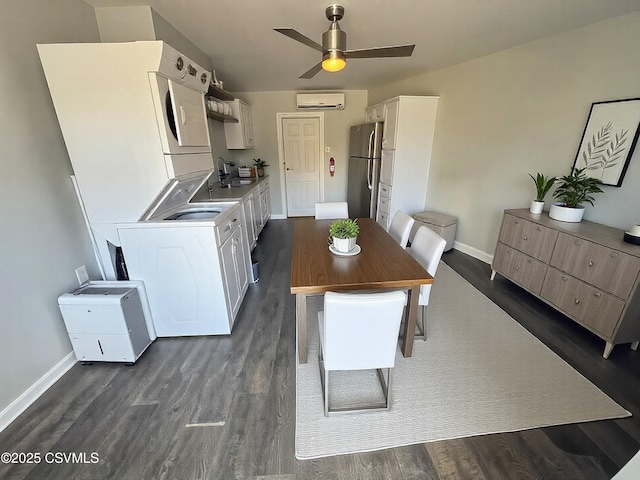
[{"x": 234, "y": 193}]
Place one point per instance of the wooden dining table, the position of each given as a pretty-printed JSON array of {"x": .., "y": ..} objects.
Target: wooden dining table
[{"x": 382, "y": 264}]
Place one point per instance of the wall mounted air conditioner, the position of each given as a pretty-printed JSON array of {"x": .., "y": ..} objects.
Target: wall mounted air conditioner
[{"x": 320, "y": 101}]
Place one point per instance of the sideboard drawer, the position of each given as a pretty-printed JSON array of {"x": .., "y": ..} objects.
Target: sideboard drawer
[
  {"x": 533, "y": 239},
  {"x": 520, "y": 268},
  {"x": 608, "y": 269},
  {"x": 582, "y": 302}
]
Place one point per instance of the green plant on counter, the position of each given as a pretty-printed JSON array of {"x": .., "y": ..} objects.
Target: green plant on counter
[
  {"x": 543, "y": 185},
  {"x": 344, "y": 228},
  {"x": 260, "y": 163},
  {"x": 576, "y": 189}
]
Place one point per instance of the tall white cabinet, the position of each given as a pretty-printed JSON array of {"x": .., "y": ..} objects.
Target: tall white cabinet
[{"x": 409, "y": 125}]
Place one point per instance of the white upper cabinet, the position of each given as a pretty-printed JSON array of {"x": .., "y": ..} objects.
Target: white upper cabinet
[
  {"x": 390, "y": 124},
  {"x": 239, "y": 136},
  {"x": 374, "y": 114}
]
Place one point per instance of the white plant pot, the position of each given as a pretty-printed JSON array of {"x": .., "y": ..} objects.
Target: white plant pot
[
  {"x": 566, "y": 214},
  {"x": 344, "y": 245},
  {"x": 536, "y": 207}
]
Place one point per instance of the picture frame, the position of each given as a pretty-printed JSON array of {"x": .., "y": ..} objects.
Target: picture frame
[{"x": 609, "y": 139}]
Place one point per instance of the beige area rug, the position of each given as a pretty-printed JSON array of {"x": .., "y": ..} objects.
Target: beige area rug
[{"x": 479, "y": 372}]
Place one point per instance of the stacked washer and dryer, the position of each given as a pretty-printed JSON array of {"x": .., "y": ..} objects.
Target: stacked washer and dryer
[{"x": 134, "y": 121}]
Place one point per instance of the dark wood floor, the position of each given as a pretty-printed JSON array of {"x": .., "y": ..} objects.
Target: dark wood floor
[{"x": 243, "y": 387}]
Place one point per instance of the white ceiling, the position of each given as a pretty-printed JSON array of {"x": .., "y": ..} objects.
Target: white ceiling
[{"x": 249, "y": 56}]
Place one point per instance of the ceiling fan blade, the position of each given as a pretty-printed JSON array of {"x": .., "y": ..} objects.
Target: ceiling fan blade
[
  {"x": 399, "y": 51},
  {"x": 312, "y": 71},
  {"x": 294, "y": 34}
]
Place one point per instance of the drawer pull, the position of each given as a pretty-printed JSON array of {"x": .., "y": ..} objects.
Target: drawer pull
[
  {"x": 564, "y": 278},
  {"x": 510, "y": 252},
  {"x": 524, "y": 238},
  {"x": 578, "y": 242},
  {"x": 591, "y": 264},
  {"x": 613, "y": 254},
  {"x": 597, "y": 294},
  {"x": 529, "y": 261},
  {"x": 539, "y": 229},
  {"x": 517, "y": 268},
  {"x": 516, "y": 222},
  {"x": 576, "y": 301}
]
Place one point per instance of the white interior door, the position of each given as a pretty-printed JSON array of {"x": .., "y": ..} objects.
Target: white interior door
[{"x": 301, "y": 159}]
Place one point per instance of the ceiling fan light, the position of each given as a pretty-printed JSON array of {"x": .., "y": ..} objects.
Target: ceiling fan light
[{"x": 333, "y": 61}]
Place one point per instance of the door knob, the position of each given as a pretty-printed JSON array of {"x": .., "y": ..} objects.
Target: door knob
[{"x": 289, "y": 168}]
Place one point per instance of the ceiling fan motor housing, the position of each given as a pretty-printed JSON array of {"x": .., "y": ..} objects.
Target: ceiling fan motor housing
[{"x": 334, "y": 38}]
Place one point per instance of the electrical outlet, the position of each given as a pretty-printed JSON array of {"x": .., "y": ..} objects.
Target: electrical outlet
[{"x": 81, "y": 273}]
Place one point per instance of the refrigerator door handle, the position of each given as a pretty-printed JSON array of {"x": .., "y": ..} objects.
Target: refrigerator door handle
[
  {"x": 370, "y": 146},
  {"x": 369, "y": 162}
]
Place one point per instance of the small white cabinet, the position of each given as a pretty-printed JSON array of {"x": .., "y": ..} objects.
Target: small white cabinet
[
  {"x": 391, "y": 108},
  {"x": 235, "y": 278},
  {"x": 265, "y": 203},
  {"x": 239, "y": 136},
  {"x": 374, "y": 114}
]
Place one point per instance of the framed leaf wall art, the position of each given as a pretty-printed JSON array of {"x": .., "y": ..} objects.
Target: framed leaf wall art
[{"x": 608, "y": 140}]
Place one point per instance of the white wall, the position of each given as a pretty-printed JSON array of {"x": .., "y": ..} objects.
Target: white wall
[
  {"x": 523, "y": 110},
  {"x": 129, "y": 24},
  {"x": 265, "y": 106},
  {"x": 43, "y": 236}
]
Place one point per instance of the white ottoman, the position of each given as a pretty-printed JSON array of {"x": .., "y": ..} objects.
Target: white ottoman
[{"x": 443, "y": 225}]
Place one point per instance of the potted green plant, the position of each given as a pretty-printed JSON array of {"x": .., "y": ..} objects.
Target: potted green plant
[
  {"x": 260, "y": 164},
  {"x": 344, "y": 233},
  {"x": 543, "y": 185},
  {"x": 574, "y": 190}
]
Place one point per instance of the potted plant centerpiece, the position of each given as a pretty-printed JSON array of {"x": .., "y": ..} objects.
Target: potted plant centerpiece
[
  {"x": 574, "y": 190},
  {"x": 260, "y": 164},
  {"x": 344, "y": 233},
  {"x": 543, "y": 185}
]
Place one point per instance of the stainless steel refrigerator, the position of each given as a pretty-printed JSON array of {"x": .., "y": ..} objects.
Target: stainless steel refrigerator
[{"x": 365, "y": 147}]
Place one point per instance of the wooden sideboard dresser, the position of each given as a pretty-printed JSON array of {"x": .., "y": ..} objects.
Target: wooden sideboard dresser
[{"x": 584, "y": 270}]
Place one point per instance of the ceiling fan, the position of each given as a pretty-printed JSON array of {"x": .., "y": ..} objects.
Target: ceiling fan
[{"x": 334, "y": 45}]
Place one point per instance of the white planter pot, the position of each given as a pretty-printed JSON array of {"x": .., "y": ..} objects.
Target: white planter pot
[
  {"x": 536, "y": 207},
  {"x": 566, "y": 214},
  {"x": 344, "y": 245}
]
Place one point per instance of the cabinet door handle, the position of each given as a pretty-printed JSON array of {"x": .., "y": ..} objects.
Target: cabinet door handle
[
  {"x": 578, "y": 242},
  {"x": 529, "y": 261},
  {"x": 227, "y": 228},
  {"x": 576, "y": 301},
  {"x": 509, "y": 251},
  {"x": 539, "y": 229},
  {"x": 524, "y": 237},
  {"x": 613, "y": 254},
  {"x": 597, "y": 294},
  {"x": 591, "y": 263},
  {"x": 564, "y": 278},
  {"x": 517, "y": 268}
]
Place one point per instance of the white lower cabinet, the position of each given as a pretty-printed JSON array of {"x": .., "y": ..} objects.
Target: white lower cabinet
[
  {"x": 249, "y": 206},
  {"x": 265, "y": 203},
  {"x": 235, "y": 280}
]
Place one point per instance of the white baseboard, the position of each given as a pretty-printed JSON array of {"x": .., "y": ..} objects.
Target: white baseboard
[
  {"x": 278, "y": 217},
  {"x": 30, "y": 395},
  {"x": 474, "y": 252}
]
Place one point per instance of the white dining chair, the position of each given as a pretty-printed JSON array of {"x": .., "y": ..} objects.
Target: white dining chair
[
  {"x": 427, "y": 248},
  {"x": 359, "y": 331},
  {"x": 400, "y": 227},
  {"x": 331, "y": 210}
]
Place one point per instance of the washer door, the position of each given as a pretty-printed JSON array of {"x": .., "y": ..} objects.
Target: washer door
[{"x": 194, "y": 215}]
